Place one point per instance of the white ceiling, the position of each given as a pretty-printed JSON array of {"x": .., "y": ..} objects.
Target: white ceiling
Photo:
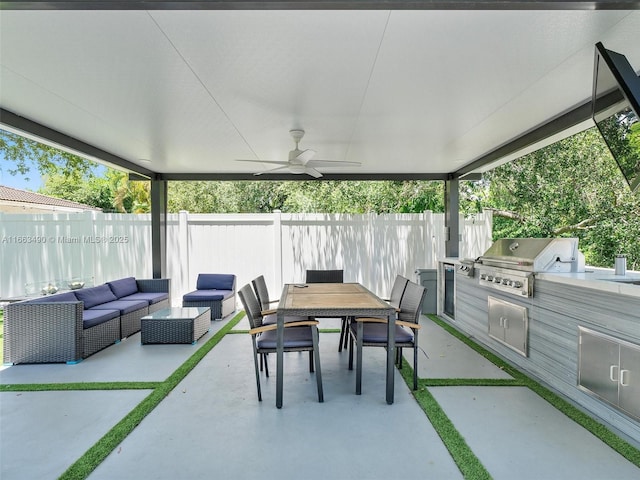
[{"x": 400, "y": 91}]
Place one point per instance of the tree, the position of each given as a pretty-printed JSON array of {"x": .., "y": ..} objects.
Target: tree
[
  {"x": 570, "y": 188},
  {"x": 48, "y": 160}
]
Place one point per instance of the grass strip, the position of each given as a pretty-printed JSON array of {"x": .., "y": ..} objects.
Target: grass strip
[
  {"x": 470, "y": 382},
  {"x": 590, "y": 424},
  {"x": 88, "y": 462},
  {"x": 44, "y": 387},
  {"x": 467, "y": 462}
]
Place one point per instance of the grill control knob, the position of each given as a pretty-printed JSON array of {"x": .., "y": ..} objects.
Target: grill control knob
[
  {"x": 497, "y": 280},
  {"x": 517, "y": 284},
  {"x": 506, "y": 281}
]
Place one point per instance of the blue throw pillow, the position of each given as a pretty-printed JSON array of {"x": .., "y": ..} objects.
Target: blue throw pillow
[
  {"x": 215, "y": 281},
  {"x": 95, "y": 296},
  {"x": 123, "y": 287}
]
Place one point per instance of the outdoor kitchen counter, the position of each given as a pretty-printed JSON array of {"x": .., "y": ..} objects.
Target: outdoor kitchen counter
[
  {"x": 602, "y": 279},
  {"x": 561, "y": 305}
]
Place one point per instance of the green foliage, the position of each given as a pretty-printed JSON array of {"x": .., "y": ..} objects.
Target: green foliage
[
  {"x": 306, "y": 197},
  {"x": 570, "y": 188},
  {"x": 48, "y": 160}
]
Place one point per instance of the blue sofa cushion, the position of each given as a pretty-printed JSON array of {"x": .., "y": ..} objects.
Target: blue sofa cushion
[
  {"x": 216, "y": 281},
  {"x": 123, "y": 287},
  {"x": 95, "y": 296},
  {"x": 149, "y": 297},
  {"x": 91, "y": 318},
  {"x": 60, "y": 297},
  {"x": 123, "y": 306},
  {"x": 207, "y": 295}
]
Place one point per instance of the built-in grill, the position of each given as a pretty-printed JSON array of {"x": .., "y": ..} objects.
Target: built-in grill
[{"x": 510, "y": 263}]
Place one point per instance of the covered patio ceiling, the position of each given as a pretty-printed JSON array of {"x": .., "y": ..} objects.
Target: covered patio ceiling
[{"x": 180, "y": 90}]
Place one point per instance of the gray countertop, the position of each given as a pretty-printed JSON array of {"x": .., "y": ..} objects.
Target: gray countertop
[
  {"x": 602, "y": 279},
  {"x": 597, "y": 278}
]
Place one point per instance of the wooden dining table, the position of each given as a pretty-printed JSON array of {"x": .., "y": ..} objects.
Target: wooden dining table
[{"x": 333, "y": 300}]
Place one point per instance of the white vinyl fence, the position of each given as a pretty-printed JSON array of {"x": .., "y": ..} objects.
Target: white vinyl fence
[{"x": 38, "y": 249}]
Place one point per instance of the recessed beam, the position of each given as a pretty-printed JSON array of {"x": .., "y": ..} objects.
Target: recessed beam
[{"x": 323, "y": 5}]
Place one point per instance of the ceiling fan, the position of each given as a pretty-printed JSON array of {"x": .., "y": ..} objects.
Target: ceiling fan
[{"x": 301, "y": 161}]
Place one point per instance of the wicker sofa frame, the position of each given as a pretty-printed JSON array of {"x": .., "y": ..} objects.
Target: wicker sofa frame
[
  {"x": 219, "y": 308},
  {"x": 53, "y": 332}
]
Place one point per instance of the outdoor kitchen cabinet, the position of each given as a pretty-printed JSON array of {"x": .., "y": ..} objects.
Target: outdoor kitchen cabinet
[
  {"x": 508, "y": 323},
  {"x": 609, "y": 368}
]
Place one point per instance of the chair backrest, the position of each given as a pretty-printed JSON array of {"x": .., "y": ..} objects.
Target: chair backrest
[
  {"x": 251, "y": 306},
  {"x": 399, "y": 285},
  {"x": 260, "y": 287},
  {"x": 411, "y": 302},
  {"x": 325, "y": 276}
]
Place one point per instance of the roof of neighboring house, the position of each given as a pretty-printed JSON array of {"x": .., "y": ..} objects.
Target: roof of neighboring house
[{"x": 25, "y": 198}]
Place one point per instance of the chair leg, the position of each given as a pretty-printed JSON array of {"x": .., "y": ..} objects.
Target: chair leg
[
  {"x": 316, "y": 354},
  {"x": 255, "y": 363},
  {"x": 415, "y": 366},
  {"x": 266, "y": 364},
  {"x": 310, "y": 361},
  {"x": 347, "y": 321},
  {"x": 343, "y": 333},
  {"x": 350, "y": 351},
  {"x": 359, "y": 343}
]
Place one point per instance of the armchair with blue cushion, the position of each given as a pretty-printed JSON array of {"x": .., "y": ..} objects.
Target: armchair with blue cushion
[{"x": 216, "y": 291}]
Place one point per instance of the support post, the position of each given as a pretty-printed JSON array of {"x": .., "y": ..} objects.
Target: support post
[
  {"x": 159, "y": 227},
  {"x": 452, "y": 217}
]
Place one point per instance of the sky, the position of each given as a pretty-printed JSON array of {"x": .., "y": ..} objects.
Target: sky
[{"x": 32, "y": 181}]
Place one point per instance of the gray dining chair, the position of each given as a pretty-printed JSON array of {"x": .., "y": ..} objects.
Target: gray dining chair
[
  {"x": 269, "y": 306},
  {"x": 397, "y": 290},
  {"x": 298, "y": 337},
  {"x": 331, "y": 276},
  {"x": 372, "y": 332}
]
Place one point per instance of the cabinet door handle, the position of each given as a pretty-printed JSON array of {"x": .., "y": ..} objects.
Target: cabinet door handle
[
  {"x": 611, "y": 372},
  {"x": 622, "y": 382},
  {"x": 506, "y": 323}
]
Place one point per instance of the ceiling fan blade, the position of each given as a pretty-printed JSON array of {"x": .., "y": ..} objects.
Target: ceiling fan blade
[
  {"x": 313, "y": 172},
  {"x": 275, "y": 162},
  {"x": 332, "y": 163},
  {"x": 284, "y": 167},
  {"x": 305, "y": 156}
]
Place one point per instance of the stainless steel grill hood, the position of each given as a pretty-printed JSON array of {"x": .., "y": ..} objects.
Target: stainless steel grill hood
[
  {"x": 559, "y": 255},
  {"x": 510, "y": 263}
]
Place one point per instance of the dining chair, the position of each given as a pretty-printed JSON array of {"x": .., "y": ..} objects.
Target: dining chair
[
  {"x": 399, "y": 284},
  {"x": 262, "y": 293},
  {"x": 372, "y": 332},
  {"x": 331, "y": 276},
  {"x": 325, "y": 276},
  {"x": 268, "y": 306},
  {"x": 298, "y": 337}
]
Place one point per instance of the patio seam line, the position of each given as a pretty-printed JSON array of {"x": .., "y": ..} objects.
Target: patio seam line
[
  {"x": 96, "y": 454},
  {"x": 599, "y": 430}
]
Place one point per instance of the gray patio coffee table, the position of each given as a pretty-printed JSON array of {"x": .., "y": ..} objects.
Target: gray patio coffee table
[{"x": 175, "y": 325}]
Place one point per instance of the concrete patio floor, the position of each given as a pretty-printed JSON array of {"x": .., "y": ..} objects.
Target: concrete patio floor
[{"x": 212, "y": 425}]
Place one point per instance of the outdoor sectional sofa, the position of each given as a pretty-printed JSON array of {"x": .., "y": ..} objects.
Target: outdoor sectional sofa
[
  {"x": 214, "y": 290},
  {"x": 70, "y": 326}
]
